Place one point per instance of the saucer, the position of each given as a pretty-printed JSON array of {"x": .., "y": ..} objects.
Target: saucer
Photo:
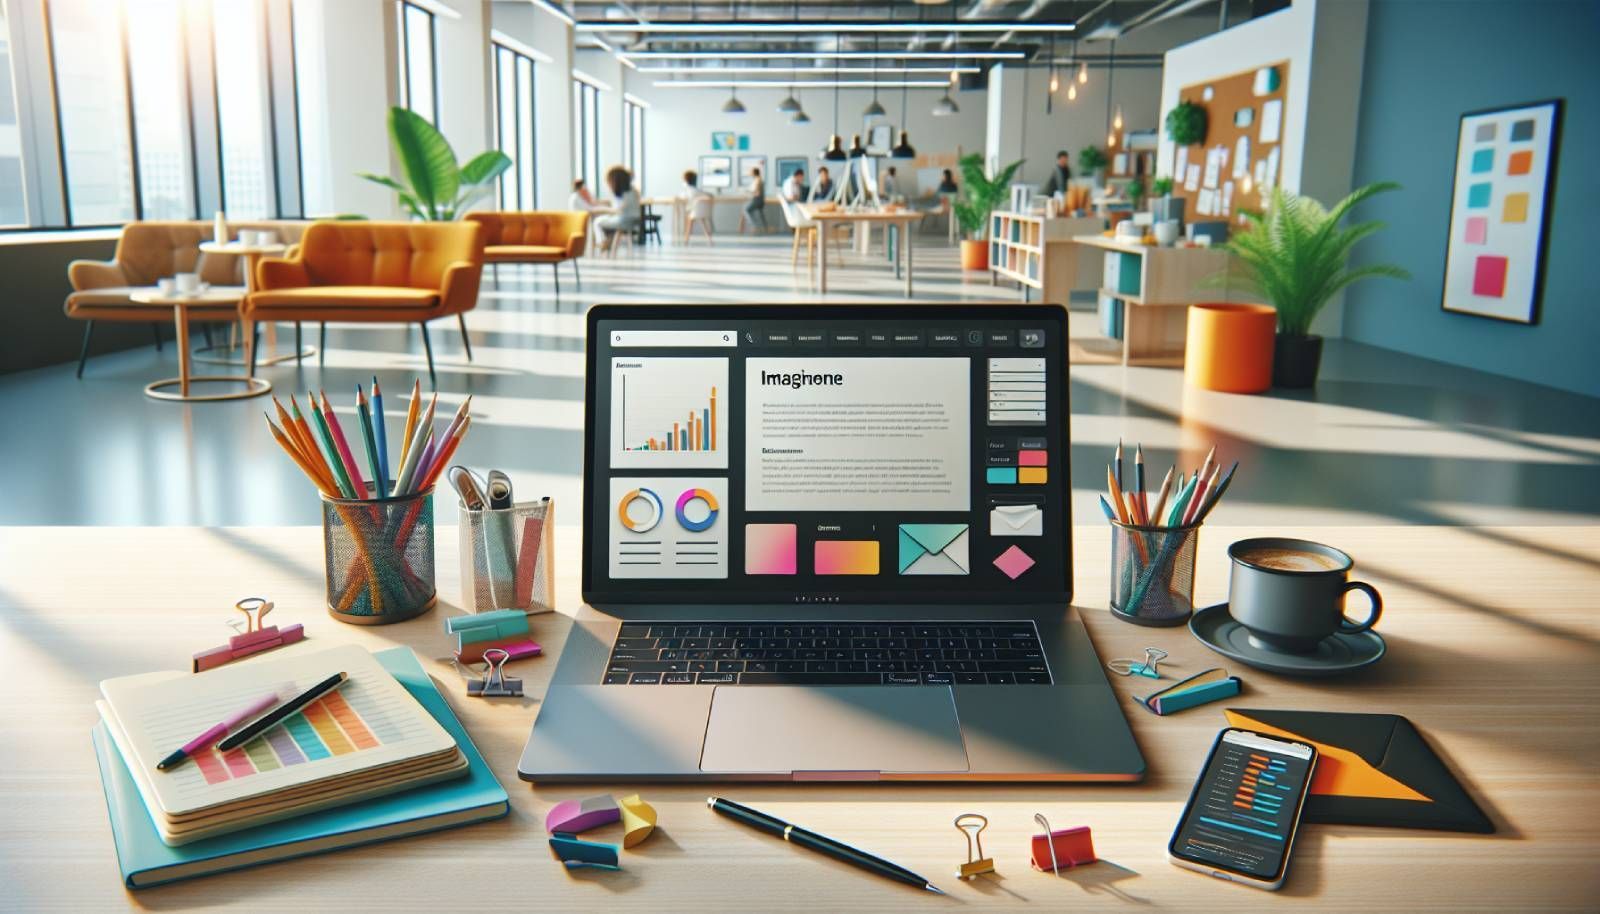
[{"x": 1337, "y": 654}]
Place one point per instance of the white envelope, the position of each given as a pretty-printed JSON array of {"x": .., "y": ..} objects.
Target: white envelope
[{"x": 1016, "y": 520}]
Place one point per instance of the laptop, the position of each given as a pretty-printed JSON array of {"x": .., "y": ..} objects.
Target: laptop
[{"x": 828, "y": 542}]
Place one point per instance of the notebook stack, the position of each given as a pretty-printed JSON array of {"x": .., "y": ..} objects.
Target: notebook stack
[{"x": 380, "y": 757}]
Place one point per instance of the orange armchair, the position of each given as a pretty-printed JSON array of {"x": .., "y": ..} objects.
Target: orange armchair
[
  {"x": 372, "y": 272},
  {"x": 535, "y": 237}
]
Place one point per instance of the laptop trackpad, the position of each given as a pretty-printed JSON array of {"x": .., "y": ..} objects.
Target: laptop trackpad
[{"x": 833, "y": 729}]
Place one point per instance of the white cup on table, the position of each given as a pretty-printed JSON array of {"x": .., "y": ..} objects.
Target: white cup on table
[
  {"x": 166, "y": 286},
  {"x": 187, "y": 283}
]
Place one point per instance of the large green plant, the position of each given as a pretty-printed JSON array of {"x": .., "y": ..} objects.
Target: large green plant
[
  {"x": 1296, "y": 254},
  {"x": 980, "y": 194},
  {"x": 440, "y": 189},
  {"x": 1091, "y": 158}
]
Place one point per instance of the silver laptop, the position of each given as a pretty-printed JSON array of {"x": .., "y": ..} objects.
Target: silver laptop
[{"x": 828, "y": 542}]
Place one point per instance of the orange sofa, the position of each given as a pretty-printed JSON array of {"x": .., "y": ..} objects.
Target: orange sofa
[
  {"x": 534, "y": 237},
  {"x": 146, "y": 252},
  {"x": 372, "y": 272}
]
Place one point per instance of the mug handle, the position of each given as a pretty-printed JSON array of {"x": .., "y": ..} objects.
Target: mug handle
[{"x": 1355, "y": 628}]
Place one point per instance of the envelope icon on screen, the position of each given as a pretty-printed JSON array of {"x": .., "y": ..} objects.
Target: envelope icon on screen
[
  {"x": 934, "y": 549},
  {"x": 1016, "y": 520}
]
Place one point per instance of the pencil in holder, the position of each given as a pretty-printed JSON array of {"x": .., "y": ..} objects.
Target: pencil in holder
[
  {"x": 1152, "y": 573},
  {"x": 379, "y": 557},
  {"x": 506, "y": 557}
]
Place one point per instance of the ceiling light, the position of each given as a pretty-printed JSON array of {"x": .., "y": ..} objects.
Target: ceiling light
[
  {"x": 1117, "y": 124},
  {"x": 1111, "y": 139},
  {"x": 779, "y": 83},
  {"x": 1055, "y": 83},
  {"x": 875, "y": 109},
  {"x": 800, "y": 117},
  {"x": 1083, "y": 72},
  {"x": 733, "y": 105},
  {"x": 1072, "y": 92},
  {"x": 789, "y": 105},
  {"x": 797, "y": 26},
  {"x": 945, "y": 106},
  {"x": 829, "y": 55},
  {"x": 904, "y": 150},
  {"x": 830, "y": 70}
]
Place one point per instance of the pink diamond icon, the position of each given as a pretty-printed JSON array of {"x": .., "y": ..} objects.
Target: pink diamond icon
[{"x": 1013, "y": 562}]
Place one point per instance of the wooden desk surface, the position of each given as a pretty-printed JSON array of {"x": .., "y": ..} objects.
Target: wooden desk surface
[
  {"x": 840, "y": 215},
  {"x": 1492, "y": 633}
]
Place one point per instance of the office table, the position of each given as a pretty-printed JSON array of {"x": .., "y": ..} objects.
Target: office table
[
  {"x": 900, "y": 219},
  {"x": 1492, "y": 636}
]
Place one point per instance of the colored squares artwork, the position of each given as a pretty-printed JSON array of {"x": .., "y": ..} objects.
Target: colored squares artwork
[
  {"x": 1483, "y": 161},
  {"x": 1515, "y": 208},
  {"x": 1485, "y": 133},
  {"x": 1522, "y": 131},
  {"x": 770, "y": 548},
  {"x": 1489, "y": 276},
  {"x": 326, "y": 728},
  {"x": 1520, "y": 163},
  {"x": 1478, "y": 195},
  {"x": 1477, "y": 230},
  {"x": 846, "y": 557}
]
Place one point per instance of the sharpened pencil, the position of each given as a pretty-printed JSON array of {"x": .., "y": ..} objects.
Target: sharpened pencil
[
  {"x": 381, "y": 433},
  {"x": 370, "y": 441},
  {"x": 334, "y": 461},
  {"x": 1116, "y": 496},
  {"x": 1161, "y": 497},
  {"x": 413, "y": 409}
]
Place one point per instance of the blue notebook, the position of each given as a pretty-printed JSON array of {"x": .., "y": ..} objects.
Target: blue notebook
[{"x": 146, "y": 861}]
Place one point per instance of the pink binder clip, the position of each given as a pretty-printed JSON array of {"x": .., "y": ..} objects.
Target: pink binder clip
[
  {"x": 1067, "y": 847},
  {"x": 253, "y": 640}
]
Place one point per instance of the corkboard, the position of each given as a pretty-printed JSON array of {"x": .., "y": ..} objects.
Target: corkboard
[{"x": 1229, "y": 95}]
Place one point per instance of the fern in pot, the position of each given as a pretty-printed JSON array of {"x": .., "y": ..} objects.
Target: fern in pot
[
  {"x": 980, "y": 196},
  {"x": 1296, "y": 256}
]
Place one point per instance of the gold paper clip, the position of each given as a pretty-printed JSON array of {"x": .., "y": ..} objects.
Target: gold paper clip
[{"x": 971, "y": 825}]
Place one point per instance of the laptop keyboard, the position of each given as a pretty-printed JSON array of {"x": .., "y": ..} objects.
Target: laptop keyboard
[{"x": 828, "y": 653}]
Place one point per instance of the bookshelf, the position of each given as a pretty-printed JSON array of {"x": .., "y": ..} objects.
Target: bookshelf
[
  {"x": 1039, "y": 253},
  {"x": 1155, "y": 287}
]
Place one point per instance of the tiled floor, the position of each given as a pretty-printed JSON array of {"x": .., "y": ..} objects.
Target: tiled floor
[{"x": 1384, "y": 438}]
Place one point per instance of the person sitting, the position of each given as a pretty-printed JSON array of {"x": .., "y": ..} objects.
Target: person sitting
[
  {"x": 581, "y": 199},
  {"x": 697, "y": 206},
  {"x": 823, "y": 189},
  {"x": 794, "y": 186},
  {"x": 889, "y": 187},
  {"x": 947, "y": 183},
  {"x": 1060, "y": 175},
  {"x": 756, "y": 208},
  {"x": 629, "y": 212}
]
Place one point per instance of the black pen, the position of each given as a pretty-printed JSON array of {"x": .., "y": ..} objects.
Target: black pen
[
  {"x": 810, "y": 840},
  {"x": 283, "y": 712}
]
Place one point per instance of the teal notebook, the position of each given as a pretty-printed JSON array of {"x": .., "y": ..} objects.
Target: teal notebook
[{"x": 145, "y": 861}]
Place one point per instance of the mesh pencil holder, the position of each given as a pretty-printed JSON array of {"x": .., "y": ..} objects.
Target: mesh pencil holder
[
  {"x": 505, "y": 557},
  {"x": 1152, "y": 573},
  {"x": 379, "y": 557}
]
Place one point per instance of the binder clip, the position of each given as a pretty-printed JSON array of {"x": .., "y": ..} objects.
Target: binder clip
[
  {"x": 253, "y": 640},
  {"x": 1068, "y": 847},
  {"x": 495, "y": 683},
  {"x": 506, "y": 629},
  {"x": 1126, "y": 667},
  {"x": 971, "y": 825},
  {"x": 1199, "y": 689}
]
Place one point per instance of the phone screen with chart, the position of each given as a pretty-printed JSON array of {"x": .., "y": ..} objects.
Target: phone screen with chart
[{"x": 1242, "y": 814}]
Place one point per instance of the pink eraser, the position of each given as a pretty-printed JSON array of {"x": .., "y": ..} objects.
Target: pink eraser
[{"x": 573, "y": 816}]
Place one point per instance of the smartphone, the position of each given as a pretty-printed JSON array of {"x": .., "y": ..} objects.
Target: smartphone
[{"x": 1244, "y": 810}]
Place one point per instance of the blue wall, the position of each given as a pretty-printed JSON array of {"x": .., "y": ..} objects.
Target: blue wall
[{"x": 1428, "y": 62}]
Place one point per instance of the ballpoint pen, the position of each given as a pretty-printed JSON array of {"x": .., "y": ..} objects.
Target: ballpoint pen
[
  {"x": 810, "y": 840},
  {"x": 213, "y": 733},
  {"x": 282, "y": 713}
]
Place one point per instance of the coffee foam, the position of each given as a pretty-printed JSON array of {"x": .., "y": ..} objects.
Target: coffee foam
[{"x": 1280, "y": 559}]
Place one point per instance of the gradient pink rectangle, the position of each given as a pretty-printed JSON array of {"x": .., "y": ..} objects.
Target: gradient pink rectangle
[
  {"x": 846, "y": 557},
  {"x": 770, "y": 548},
  {"x": 1477, "y": 230},
  {"x": 1489, "y": 277},
  {"x": 1032, "y": 458}
]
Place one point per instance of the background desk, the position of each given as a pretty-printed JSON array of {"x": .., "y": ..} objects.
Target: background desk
[{"x": 1492, "y": 634}]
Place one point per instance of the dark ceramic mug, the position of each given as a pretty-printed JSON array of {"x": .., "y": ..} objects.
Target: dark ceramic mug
[{"x": 1289, "y": 593}]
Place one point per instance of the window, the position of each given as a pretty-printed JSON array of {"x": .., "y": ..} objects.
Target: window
[
  {"x": 241, "y": 74},
  {"x": 514, "y": 119},
  {"x": 92, "y": 111},
  {"x": 586, "y": 114},
  {"x": 418, "y": 61},
  {"x": 311, "y": 92},
  {"x": 13, "y": 200},
  {"x": 155, "y": 65},
  {"x": 633, "y": 138}
]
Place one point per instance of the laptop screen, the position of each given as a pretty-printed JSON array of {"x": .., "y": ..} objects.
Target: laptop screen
[{"x": 822, "y": 454}]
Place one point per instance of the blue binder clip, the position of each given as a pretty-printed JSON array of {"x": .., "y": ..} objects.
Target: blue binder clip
[{"x": 1199, "y": 689}]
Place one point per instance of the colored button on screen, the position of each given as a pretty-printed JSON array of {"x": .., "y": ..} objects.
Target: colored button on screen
[
  {"x": 1002, "y": 476},
  {"x": 1032, "y": 476},
  {"x": 1032, "y": 458}
]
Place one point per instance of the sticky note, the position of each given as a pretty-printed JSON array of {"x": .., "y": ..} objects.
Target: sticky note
[
  {"x": 1033, "y": 458},
  {"x": 1478, "y": 196},
  {"x": 581, "y": 815},
  {"x": 845, "y": 557},
  {"x": 638, "y": 820},
  {"x": 769, "y": 548},
  {"x": 1515, "y": 208},
  {"x": 1477, "y": 230},
  {"x": 1001, "y": 476},
  {"x": 1520, "y": 163},
  {"x": 1485, "y": 133},
  {"x": 1013, "y": 562},
  {"x": 1032, "y": 476},
  {"x": 1482, "y": 161},
  {"x": 1522, "y": 131},
  {"x": 1489, "y": 277}
]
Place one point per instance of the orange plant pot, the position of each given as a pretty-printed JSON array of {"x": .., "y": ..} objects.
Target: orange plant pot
[
  {"x": 1230, "y": 347},
  {"x": 974, "y": 255}
]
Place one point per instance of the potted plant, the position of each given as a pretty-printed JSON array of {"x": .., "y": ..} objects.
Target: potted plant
[
  {"x": 979, "y": 196},
  {"x": 1186, "y": 124},
  {"x": 1092, "y": 161},
  {"x": 1165, "y": 207},
  {"x": 1136, "y": 191},
  {"x": 1296, "y": 256},
  {"x": 440, "y": 189},
  {"x": 1162, "y": 188}
]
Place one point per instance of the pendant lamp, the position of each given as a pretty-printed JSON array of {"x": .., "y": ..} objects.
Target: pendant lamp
[
  {"x": 903, "y": 149},
  {"x": 733, "y": 105}
]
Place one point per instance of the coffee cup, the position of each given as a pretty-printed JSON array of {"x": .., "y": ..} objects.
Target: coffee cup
[
  {"x": 166, "y": 286},
  {"x": 1289, "y": 593},
  {"x": 187, "y": 283},
  {"x": 266, "y": 238},
  {"x": 249, "y": 237}
]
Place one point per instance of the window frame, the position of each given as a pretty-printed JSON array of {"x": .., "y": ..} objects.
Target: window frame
[
  {"x": 519, "y": 186},
  {"x": 403, "y": 9}
]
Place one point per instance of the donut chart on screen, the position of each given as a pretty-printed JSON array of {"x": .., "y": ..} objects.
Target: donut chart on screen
[
  {"x": 683, "y": 502},
  {"x": 650, "y": 498}
]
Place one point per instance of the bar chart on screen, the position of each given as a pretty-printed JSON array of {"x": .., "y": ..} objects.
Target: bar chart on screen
[{"x": 669, "y": 412}]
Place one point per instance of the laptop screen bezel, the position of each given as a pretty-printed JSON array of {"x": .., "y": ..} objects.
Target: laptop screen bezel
[{"x": 611, "y": 593}]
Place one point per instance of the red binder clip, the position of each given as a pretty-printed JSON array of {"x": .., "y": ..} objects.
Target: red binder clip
[
  {"x": 1068, "y": 847},
  {"x": 253, "y": 640}
]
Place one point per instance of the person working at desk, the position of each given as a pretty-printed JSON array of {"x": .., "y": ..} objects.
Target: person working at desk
[
  {"x": 1059, "y": 176},
  {"x": 823, "y": 189},
  {"x": 697, "y": 205},
  {"x": 889, "y": 187},
  {"x": 756, "y": 208},
  {"x": 794, "y": 187},
  {"x": 628, "y": 213},
  {"x": 581, "y": 199}
]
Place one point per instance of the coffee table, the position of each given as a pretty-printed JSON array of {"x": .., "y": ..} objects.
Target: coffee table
[
  {"x": 252, "y": 254},
  {"x": 219, "y": 301}
]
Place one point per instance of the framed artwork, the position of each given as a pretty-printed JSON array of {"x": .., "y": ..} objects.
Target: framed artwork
[
  {"x": 716, "y": 172},
  {"x": 728, "y": 141},
  {"x": 1500, "y": 211},
  {"x": 880, "y": 139},
  {"x": 748, "y": 165},
  {"x": 786, "y": 166}
]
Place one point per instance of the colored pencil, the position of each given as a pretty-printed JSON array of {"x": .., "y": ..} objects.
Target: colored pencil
[
  {"x": 1216, "y": 494},
  {"x": 1117, "y": 466},
  {"x": 1161, "y": 497},
  {"x": 299, "y": 461},
  {"x": 442, "y": 459},
  {"x": 1105, "y": 508},
  {"x": 1178, "y": 507},
  {"x": 1138, "y": 480},
  {"x": 1116, "y": 495},
  {"x": 412, "y": 411},
  {"x": 371, "y": 443},
  {"x": 455, "y": 421},
  {"x": 381, "y": 434},
  {"x": 339, "y": 474},
  {"x": 1206, "y": 485},
  {"x": 413, "y": 455},
  {"x": 292, "y": 432},
  {"x": 358, "y": 484}
]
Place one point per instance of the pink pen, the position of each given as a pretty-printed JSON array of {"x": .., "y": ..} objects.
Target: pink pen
[{"x": 215, "y": 732}]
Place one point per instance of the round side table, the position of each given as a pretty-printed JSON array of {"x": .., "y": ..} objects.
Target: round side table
[
  {"x": 217, "y": 297},
  {"x": 252, "y": 254}
]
